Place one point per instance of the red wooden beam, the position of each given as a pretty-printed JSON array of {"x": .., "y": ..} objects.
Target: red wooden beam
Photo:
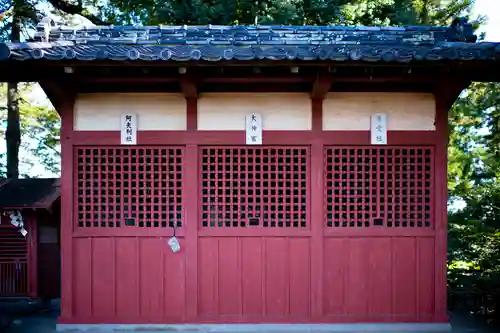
[
  {"x": 321, "y": 85},
  {"x": 189, "y": 85},
  {"x": 131, "y": 80},
  {"x": 59, "y": 92},
  {"x": 258, "y": 79},
  {"x": 448, "y": 90}
]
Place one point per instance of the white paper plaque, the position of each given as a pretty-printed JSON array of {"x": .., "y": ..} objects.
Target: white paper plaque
[
  {"x": 129, "y": 129},
  {"x": 253, "y": 126},
  {"x": 379, "y": 129}
]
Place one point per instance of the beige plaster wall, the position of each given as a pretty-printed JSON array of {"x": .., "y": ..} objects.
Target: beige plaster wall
[
  {"x": 280, "y": 111},
  {"x": 155, "y": 111},
  {"x": 405, "y": 111}
]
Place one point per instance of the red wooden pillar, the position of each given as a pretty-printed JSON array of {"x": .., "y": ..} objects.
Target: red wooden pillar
[
  {"x": 441, "y": 197},
  {"x": 32, "y": 260},
  {"x": 191, "y": 210},
  {"x": 316, "y": 222},
  {"x": 66, "y": 112}
]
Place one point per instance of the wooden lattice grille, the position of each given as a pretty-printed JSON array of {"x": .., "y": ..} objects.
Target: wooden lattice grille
[
  {"x": 13, "y": 260},
  {"x": 140, "y": 186},
  {"x": 387, "y": 186},
  {"x": 13, "y": 245},
  {"x": 247, "y": 187}
]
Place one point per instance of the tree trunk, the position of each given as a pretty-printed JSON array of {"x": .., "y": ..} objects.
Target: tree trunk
[{"x": 13, "y": 133}]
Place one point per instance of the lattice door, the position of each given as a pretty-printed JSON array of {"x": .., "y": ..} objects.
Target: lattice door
[
  {"x": 247, "y": 187},
  {"x": 13, "y": 261},
  {"x": 386, "y": 186},
  {"x": 139, "y": 186}
]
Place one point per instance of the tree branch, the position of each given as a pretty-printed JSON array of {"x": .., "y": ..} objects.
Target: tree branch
[{"x": 76, "y": 9}]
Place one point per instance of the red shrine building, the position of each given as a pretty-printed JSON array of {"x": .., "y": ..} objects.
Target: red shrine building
[{"x": 302, "y": 171}]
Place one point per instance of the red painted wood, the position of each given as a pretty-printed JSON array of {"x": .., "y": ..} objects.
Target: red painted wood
[
  {"x": 252, "y": 277},
  {"x": 67, "y": 195},
  {"x": 83, "y": 278},
  {"x": 49, "y": 285},
  {"x": 253, "y": 320},
  {"x": 271, "y": 232},
  {"x": 191, "y": 114},
  {"x": 238, "y": 137},
  {"x": 425, "y": 277},
  {"x": 15, "y": 260},
  {"x": 208, "y": 285},
  {"x": 173, "y": 286},
  {"x": 441, "y": 202},
  {"x": 299, "y": 258},
  {"x": 372, "y": 232},
  {"x": 229, "y": 281},
  {"x": 127, "y": 281},
  {"x": 152, "y": 277},
  {"x": 34, "y": 253},
  {"x": 103, "y": 278},
  {"x": 276, "y": 277},
  {"x": 233, "y": 273},
  {"x": 316, "y": 211},
  {"x": 355, "y": 287},
  {"x": 127, "y": 232},
  {"x": 335, "y": 277},
  {"x": 191, "y": 241},
  {"x": 379, "y": 282},
  {"x": 404, "y": 276}
]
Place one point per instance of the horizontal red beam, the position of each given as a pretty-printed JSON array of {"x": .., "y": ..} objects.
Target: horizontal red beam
[
  {"x": 378, "y": 232},
  {"x": 254, "y": 232},
  {"x": 94, "y": 138},
  {"x": 127, "y": 231},
  {"x": 327, "y": 319}
]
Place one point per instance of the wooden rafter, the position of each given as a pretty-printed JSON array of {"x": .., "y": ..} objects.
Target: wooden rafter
[
  {"x": 59, "y": 92},
  {"x": 321, "y": 85},
  {"x": 189, "y": 85}
]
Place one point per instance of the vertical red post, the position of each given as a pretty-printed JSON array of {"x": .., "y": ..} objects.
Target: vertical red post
[
  {"x": 191, "y": 196},
  {"x": 441, "y": 212},
  {"x": 32, "y": 227},
  {"x": 316, "y": 223},
  {"x": 66, "y": 112}
]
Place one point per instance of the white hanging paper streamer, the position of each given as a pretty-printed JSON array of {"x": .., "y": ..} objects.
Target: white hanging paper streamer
[{"x": 16, "y": 219}]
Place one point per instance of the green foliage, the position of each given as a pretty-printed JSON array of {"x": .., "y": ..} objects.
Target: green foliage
[
  {"x": 295, "y": 12},
  {"x": 474, "y": 180},
  {"x": 40, "y": 127}
]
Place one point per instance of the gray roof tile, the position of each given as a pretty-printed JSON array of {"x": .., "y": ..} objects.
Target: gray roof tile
[{"x": 215, "y": 43}]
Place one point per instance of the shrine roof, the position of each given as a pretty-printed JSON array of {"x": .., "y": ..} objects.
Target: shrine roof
[
  {"x": 217, "y": 43},
  {"x": 29, "y": 193}
]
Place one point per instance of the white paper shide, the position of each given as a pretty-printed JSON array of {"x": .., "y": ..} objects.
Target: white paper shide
[
  {"x": 253, "y": 127},
  {"x": 16, "y": 219},
  {"x": 379, "y": 129},
  {"x": 129, "y": 129}
]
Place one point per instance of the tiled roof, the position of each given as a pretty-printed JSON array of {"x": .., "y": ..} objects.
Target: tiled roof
[
  {"x": 216, "y": 43},
  {"x": 29, "y": 193}
]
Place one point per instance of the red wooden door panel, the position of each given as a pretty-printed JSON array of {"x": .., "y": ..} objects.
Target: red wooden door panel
[
  {"x": 379, "y": 229},
  {"x": 254, "y": 244},
  {"x": 252, "y": 231}
]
